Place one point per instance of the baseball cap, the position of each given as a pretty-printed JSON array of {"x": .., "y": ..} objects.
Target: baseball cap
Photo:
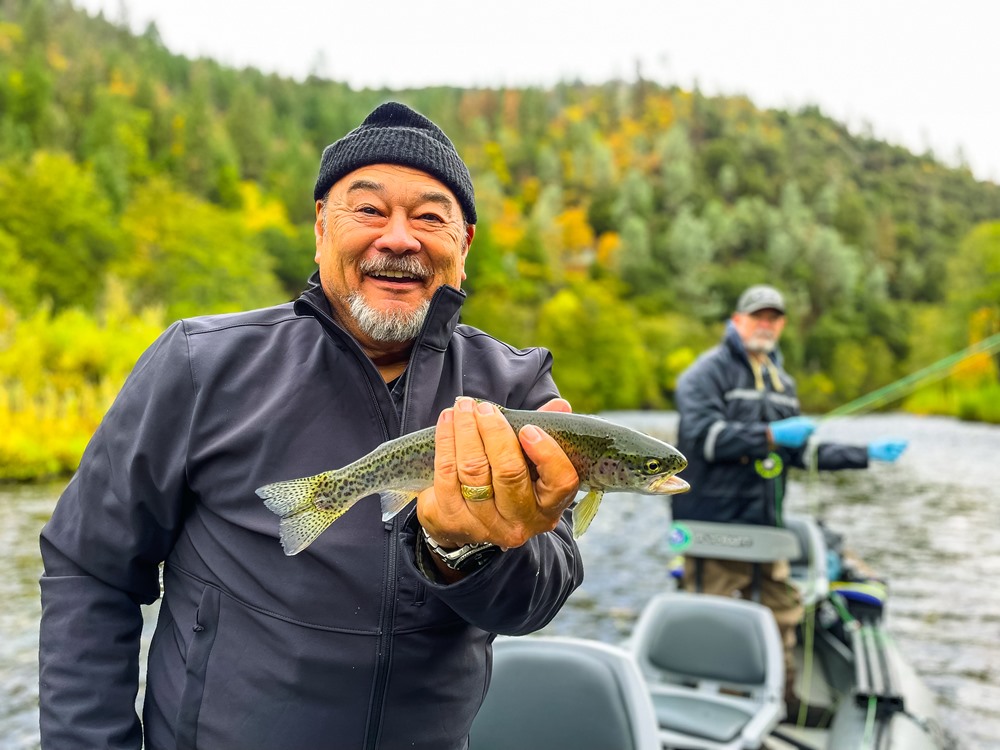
[{"x": 760, "y": 297}]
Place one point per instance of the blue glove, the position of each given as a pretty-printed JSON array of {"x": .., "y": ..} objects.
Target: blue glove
[
  {"x": 887, "y": 449},
  {"x": 792, "y": 432}
]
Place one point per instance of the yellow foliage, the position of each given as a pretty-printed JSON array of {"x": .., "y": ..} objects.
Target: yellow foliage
[
  {"x": 58, "y": 375},
  {"x": 497, "y": 162},
  {"x": 262, "y": 212},
  {"x": 675, "y": 362},
  {"x": 575, "y": 113},
  {"x": 983, "y": 323},
  {"x": 15, "y": 81},
  {"x": 56, "y": 59},
  {"x": 177, "y": 126},
  {"x": 608, "y": 245},
  {"x": 577, "y": 234},
  {"x": 659, "y": 112},
  {"x": 10, "y": 35},
  {"x": 118, "y": 86},
  {"x": 531, "y": 189},
  {"x": 508, "y": 228},
  {"x": 976, "y": 369}
]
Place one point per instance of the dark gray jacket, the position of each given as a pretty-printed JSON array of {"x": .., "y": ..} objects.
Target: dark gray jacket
[
  {"x": 346, "y": 645},
  {"x": 723, "y": 434}
]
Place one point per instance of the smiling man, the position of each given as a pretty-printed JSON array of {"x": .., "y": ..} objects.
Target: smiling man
[{"x": 379, "y": 634}]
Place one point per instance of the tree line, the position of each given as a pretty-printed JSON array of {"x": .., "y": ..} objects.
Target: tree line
[{"x": 619, "y": 222}]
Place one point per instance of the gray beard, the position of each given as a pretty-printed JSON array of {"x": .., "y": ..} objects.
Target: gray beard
[
  {"x": 391, "y": 326},
  {"x": 758, "y": 345}
]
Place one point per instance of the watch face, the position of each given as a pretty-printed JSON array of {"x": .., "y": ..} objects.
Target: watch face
[{"x": 476, "y": 559}]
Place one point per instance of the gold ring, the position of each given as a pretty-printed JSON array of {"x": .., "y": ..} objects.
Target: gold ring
[{"x": 477, "y": 494}]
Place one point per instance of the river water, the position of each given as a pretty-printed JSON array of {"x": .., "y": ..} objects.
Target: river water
[{"x": 929, "y": 523}]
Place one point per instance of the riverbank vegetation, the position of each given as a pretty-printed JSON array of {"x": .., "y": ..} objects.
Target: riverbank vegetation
[{"x": 618, "y": 225}]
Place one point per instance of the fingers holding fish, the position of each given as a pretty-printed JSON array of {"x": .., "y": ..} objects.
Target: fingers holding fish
[
  {"x": 474, "y": 473},
  {"x": 561, "y": 483},
  {"x": 557, "y": 405},
  {"x": 441, "y": 509},
  {"x": 525, "y": 507},
  {"x": 558, "y": 479}
]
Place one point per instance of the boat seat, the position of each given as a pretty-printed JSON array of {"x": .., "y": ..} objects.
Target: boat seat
[
  {"x": 714, "y": 667},
  {"x": 551, "y": 692},
  {"x": 748, "y": 543},
  {"x": 809, "y": 569}
]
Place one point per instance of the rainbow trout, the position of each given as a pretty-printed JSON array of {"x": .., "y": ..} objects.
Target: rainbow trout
[{"x": 607, "y": 456}]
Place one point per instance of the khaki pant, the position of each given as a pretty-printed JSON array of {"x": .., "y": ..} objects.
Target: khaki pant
[{"x": 735, "y": 578}]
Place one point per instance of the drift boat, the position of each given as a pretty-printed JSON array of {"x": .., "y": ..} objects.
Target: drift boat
[
  {"x": 854, "y": 687},
  {"x": 706, "y": 672}
]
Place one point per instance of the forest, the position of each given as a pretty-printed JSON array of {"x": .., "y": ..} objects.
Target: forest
[{"x": 618, "y": 224}]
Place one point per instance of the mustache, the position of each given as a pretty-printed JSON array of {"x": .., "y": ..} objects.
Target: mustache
[{"x": 405, "y": 264}]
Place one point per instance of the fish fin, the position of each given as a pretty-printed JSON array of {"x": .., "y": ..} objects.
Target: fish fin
[
  {"x": 394, "y": 501},
  {"x": 299, "y": 530},
  {"x": 585, "y": 511},
  {"x": 292, "y": 496},
  {"x": 295, "y": 501}
]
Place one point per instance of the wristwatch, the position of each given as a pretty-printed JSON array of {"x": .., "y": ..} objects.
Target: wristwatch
[{"x": 465, "y": 559}]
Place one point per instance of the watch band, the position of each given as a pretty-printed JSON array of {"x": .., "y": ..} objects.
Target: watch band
[{"x": 465, "y": 559}]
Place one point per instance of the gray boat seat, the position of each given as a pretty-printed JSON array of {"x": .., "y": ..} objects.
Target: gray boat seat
[
  {"x": 745, "y": 542},
  {"x": 714, "y": 667},
  {"x": 809, "y": 569},
  {"x": 551, "y": 692}
]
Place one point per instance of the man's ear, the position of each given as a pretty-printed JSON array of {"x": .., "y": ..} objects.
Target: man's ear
[
  {"x": 470, "y": 232},
  {"x": 318, "y": 228}
]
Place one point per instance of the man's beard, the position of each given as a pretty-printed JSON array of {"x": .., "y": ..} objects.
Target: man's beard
[
  {"x": 760, "y": 344},
  {"x": 387, "y": 325},
  {"x": 391, "y": 326}
]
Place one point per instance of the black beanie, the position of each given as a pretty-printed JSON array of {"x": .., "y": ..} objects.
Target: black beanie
[{"x": 395, "y": 134}]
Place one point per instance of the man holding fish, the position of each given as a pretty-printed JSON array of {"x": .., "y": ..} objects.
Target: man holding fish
[{"x": 374, "y": 631}]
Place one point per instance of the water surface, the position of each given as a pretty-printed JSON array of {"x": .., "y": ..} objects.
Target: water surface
[{"x": 930, "y": 523}]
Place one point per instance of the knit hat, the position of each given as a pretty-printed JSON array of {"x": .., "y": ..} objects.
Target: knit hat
[
  {"x": 395, "y": 134},
  {"x": 760, "y": 297}
]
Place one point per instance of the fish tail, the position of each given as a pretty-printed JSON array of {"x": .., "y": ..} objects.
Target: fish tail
[{"x": 295, "y": 501}]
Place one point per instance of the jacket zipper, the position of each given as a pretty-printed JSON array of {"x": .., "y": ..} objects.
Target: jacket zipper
[
  {"x": 383, "y": 653},
  {"x": 373, "y": 730},
  {"x": 387, "y": 616}
]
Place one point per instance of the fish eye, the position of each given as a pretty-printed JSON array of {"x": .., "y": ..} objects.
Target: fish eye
[{"x": 652, "y": 466}]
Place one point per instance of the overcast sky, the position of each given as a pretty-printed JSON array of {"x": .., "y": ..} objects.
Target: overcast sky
[{"x": 922, "y": 73}]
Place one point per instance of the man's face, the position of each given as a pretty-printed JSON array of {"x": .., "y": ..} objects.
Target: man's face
[
  {"x": 759, "y": 330},
  {"x": 386, "y": 239}
]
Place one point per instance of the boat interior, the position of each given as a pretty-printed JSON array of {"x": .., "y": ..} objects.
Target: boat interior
[{"x": 706, "y": 672}]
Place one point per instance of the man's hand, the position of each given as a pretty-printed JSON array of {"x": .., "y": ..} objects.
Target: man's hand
[
  {"x": 887, "y": 449},
  {"x": 792, "y": 432},
  {"x": 476, "y": 446}
]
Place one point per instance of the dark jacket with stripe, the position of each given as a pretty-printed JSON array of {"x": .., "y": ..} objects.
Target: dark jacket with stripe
[
  {"x": 345, "y": 645},
  {"x": 723, "y": 434}
]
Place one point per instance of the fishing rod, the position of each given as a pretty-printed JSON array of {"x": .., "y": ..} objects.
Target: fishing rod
[
  {"x": 884, "y": 395},
  {"x": 906, "y": 385}
]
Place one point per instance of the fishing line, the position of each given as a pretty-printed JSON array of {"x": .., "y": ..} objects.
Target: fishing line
[
  {"x": 906, "y": 385},
  {"x": 887, "y": 394}
]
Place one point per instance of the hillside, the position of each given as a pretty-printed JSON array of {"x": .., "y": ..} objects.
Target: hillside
[{"x": 618, "y": 222}]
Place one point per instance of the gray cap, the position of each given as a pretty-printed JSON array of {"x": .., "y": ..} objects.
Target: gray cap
[
  {"x": 395, "y": 134},
  {"x": 760, "y": 297}
]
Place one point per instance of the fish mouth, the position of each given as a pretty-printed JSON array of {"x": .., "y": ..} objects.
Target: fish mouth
[{"x": 671, "y": 485}]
